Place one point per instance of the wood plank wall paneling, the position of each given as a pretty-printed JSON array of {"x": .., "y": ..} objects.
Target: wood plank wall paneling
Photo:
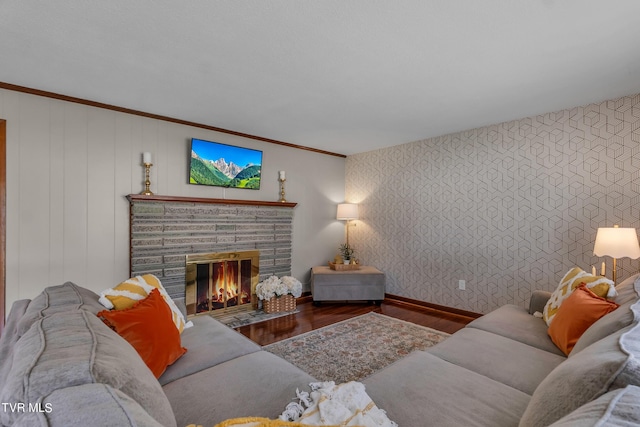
[
  {"x": 70, "y": 166},
  {"x": 75, "y": 185},
  {"x": 164, "y": 230},
  {"x": 3, "y": 220},
  {"x": 100, "y": 197},
  {"x": 35, "y": 238}
]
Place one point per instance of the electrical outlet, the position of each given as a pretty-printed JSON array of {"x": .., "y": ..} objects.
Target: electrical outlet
[{"x": 462, "y": 285}]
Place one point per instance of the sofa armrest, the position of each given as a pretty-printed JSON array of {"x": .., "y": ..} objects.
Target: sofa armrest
[{"x": 538, "y": 301}]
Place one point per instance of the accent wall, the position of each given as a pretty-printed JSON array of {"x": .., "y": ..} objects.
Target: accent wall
[{"x": 507, "y": 208}]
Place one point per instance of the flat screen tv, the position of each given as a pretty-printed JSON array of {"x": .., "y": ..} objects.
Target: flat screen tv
[{"x": 222, "y": 165}]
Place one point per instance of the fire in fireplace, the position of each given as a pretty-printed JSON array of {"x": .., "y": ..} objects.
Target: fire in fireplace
[{"x": 222, "y": 282}]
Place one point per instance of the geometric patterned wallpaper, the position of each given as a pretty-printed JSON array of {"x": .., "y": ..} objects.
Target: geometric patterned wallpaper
[{"x": 509, "y": 208}]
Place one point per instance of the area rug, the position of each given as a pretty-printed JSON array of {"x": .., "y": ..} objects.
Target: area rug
[
  {"x": 355, "y": 348},
  {"x": 235, "y": 320}
]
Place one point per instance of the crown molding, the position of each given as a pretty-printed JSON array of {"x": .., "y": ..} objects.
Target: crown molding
[{"x": 38, "y": 92}]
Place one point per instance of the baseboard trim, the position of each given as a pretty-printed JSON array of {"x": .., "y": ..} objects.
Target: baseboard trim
[
  {"x": 438, "y": 307},
  {"x": 305, "y": 297}
]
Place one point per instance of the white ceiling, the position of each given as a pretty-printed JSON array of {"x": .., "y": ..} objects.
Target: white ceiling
[{"x": 346, "y": 76}]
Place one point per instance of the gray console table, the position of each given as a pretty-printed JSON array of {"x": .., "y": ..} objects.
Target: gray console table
[{"x": 365, "y": 284}]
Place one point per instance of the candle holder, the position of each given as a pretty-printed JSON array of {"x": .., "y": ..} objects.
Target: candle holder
[
  {"x": 282, "y": 199},
  {"x": 147, "y": 182}
]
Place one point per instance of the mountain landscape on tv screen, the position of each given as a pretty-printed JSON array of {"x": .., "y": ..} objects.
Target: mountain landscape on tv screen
[{"x": 222, "y": 173}]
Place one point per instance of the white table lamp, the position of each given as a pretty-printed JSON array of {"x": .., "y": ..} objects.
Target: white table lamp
[
  {"x": 347, "y": 212},
  {"x": 617, "y": 243}
]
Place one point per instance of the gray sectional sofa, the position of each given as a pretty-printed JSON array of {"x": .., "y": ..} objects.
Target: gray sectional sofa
[
  {"x": 68, "y": 368},
  {"x": 503, "y": 370},
  {"x": 60, "y": 358}
]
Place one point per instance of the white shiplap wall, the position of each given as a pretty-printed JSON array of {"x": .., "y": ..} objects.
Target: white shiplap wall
[{"x": 70, "y": 166}]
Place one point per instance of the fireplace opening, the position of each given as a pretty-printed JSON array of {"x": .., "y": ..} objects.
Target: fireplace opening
[{"x": 221, "y": 282}]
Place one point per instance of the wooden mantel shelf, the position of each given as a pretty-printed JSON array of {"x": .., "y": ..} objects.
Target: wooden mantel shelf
[{"x": 179, "y": 199}]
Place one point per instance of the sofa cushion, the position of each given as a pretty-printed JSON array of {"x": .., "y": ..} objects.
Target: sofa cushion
[
  {"x": 75, "y": 348},
  {"x": 95, "y": 405},
  {"x": 515, "y": 322},
  {"x": 259, "y": 384},
  {"x": 628, "y": 294},
  {"x": 148, "y": 326},
  {"x": 576, "y": 314},
  {"x": 599, "y": 285},
  {"x": 58, "y": 299},
  {"x": 502, "y": 359},
  {"x": 127, "y": 293},
  {"x": 209, "y": 343},
  {"x": 608, "y": 364},
  {"x": 422, "y": 389},
  {"x": 616, "y": 408}
]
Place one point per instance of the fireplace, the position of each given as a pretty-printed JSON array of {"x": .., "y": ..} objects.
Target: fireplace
[
  {"x": 221, "y": 282},
  {"x": 165, "y": 230}
]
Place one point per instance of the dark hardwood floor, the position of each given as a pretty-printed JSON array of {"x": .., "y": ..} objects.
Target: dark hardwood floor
[{"x": 311, "y": 317}]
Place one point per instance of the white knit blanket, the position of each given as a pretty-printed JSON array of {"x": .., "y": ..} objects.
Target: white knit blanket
[{"x": 345, "y": 404}]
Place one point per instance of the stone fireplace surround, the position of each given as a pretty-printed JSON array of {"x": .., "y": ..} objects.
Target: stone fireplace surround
[{"x": 165, "y": 229}]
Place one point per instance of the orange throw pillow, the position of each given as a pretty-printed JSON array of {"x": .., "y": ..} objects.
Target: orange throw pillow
[
  {"x": 148, "y": 326},
  {"x": 579, "y": 311}
]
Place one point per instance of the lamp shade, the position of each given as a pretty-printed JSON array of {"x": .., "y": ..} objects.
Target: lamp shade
[
  {"x": 617, "y": 243},
  {"x": 347, "y": 211}
]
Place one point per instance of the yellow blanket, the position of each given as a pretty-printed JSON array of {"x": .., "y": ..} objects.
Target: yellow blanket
[{"x": 328, "y": 405}]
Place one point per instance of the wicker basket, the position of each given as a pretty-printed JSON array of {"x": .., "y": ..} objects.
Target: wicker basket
[
  {"x": 343, "y": 267},
  {"x": 279, "y": 304}
]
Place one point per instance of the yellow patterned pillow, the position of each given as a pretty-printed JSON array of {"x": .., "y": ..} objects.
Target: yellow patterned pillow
[
  {"x": 127, "y": 293},
  {"x": 599, "y": 285}
]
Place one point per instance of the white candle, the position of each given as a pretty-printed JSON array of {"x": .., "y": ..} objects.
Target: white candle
[
  {"x": 593, "y": 270},
  {"x": 602, "y": 271},
  {"x": 146, "y": 157},
  {"x": 281, "y": 174}
]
